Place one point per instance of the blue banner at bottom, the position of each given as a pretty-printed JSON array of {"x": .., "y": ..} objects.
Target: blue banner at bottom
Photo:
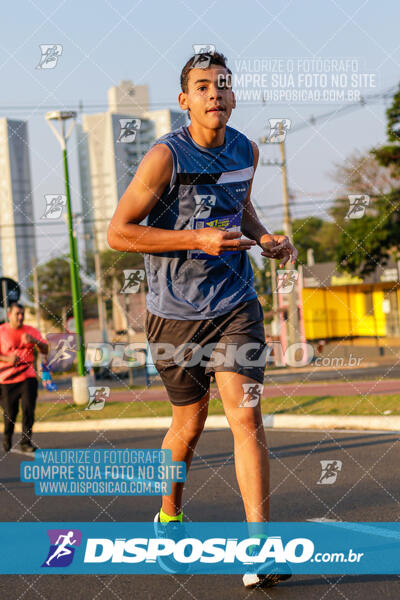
[{"x": 209, "y": 548}]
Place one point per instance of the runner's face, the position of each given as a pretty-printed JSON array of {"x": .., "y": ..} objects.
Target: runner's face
[
  {"x": 16, "y": 317},
  {"x": 209, "y": 97}
]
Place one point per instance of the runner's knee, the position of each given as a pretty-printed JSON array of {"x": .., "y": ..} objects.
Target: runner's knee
[
  {"x": 245, "y": 421},
  {"x": 190, "y": 429}
]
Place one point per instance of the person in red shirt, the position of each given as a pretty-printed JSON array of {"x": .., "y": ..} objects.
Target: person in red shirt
[{"x": 17, "y": 374}]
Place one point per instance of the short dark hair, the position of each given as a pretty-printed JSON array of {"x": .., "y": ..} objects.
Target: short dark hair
[
  {"x": 215, "y": 59},
  {"x": 17, "y": 304}
]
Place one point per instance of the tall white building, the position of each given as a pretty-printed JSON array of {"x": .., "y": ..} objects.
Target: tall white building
[
  {"x": 107, "y": 165},
  {"x": 166, "y": 120},
  {"x": 128, "y": 99},
  {"x": 17, "y": 233},
  {"x": 111, "y": 146}
]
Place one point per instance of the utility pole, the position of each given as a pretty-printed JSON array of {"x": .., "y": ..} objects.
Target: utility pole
[
  {"x": 37, "y": 305},
  {"x": 100, "y": 300},
  {"x": 101, "y": 310},
  {"x": 128, "y": 336},
  {"x": 293, "y": 333},
  {"x": 274, "y": 298},
  {"x": 5, "y": 300},
  {"x": 125, "y": 312},
  {"x": 292, "y": 324},
  {"x": 36, "y": 292}
]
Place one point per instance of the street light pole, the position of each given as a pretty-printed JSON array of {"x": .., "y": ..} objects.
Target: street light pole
[{"x": 62, "y": 117}]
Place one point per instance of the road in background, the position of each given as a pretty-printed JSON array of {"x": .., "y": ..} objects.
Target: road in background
[{"x": 366, "y": 490}]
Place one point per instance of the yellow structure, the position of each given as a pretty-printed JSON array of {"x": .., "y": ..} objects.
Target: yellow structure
[{"x": 337, "y": 305}]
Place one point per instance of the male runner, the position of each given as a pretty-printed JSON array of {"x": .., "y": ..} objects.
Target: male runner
[
  {"x": 194, "y": 186},
  {"x": 17, "y": 374}
]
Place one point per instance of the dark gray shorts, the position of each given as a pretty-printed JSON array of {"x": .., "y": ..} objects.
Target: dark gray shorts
[{"x": 195, "y": 350}]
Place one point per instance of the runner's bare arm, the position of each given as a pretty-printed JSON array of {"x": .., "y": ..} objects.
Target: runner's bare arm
[
  {"x": 145, "y": 190},
  {"x": 251, "y": 224},
  {"x": 30, "y": 339},
  {"x": 42, "y": 346}
]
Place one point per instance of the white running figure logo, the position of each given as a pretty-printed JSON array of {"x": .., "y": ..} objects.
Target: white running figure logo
[
  {"x": 63, "y": 350},
  {"x": 62, "y": 550}
]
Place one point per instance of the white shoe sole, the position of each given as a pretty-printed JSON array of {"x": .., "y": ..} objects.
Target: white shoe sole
[
  {"x": 18, "y": 451},
  {"x": 252, "y": 580}
]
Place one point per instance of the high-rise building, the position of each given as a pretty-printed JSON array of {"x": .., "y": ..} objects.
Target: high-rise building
[
  {"x": 110, "y": 148},
  {"x": 17, "y": 233},
  {"x": 108, "y": 166},
  {"x": 166, "y": 120},
  {"x": 128, "y": 99}
]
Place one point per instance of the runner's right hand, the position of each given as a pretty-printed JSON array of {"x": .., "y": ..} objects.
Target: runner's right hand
[
  {"x": 216, "y": 241},
  {"x": 14, "y": 359}
]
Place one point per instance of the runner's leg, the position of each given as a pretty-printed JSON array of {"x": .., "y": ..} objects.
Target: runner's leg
[
  {"x": 182, "y": 437},
  {"x": 251, "y": 454},
  {"x": 10, "y": 398},
  {"x": 29, "y": 389}
]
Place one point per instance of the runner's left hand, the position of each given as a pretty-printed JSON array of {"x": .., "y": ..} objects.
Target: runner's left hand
[{"x": 278, "y": 247}]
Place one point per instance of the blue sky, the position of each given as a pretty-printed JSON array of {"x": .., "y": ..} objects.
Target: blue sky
[{"x": 148, "y": 42}]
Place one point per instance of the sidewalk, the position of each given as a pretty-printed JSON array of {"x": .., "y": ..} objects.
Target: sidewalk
[
  {"x": 271, "y": 390},
  {"x": 317, "y": 422}
]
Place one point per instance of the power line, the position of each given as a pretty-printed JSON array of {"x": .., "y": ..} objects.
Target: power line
[
  {"x": 333, "y": 114},
  {"x": 369, "y": 99},
  {"x": 52, "y": 222},
  {"x": 374, "y": 98}
]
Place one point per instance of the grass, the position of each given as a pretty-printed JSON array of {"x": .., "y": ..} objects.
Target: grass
[{"x": 300, "y": 405}]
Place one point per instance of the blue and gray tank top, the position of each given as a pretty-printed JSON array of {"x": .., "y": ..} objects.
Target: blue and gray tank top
[{"x": 208, "y": 188}]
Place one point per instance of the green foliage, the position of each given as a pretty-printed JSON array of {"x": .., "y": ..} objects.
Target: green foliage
[
  {"x": 389, "y": 155},
  {"x": 315, "y": 233},
  {"x": 374, "y": 238},
  {"x": 55, "y": 291},
  {"x": 113, "y": 263},
  {"x": 262, "y": 282},
  {"x": 54, "y": 283}
]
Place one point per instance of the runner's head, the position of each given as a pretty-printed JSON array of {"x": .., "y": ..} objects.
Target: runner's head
[
  {"x": 16, "y": 313},
  {"x": 206, "y": 90}
]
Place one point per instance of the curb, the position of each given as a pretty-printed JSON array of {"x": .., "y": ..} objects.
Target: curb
[{"x": 322, "y": 422}]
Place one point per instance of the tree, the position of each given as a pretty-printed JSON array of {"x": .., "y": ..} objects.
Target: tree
[
  {"x": 262, "y": 282},
  {"x": 55, "y": 292},
  {"x": 315, "y": 233},
  {"x": 54, "y": 283},
  {"x": 374, "y": 238},
  {"x": 363, "y": 174},
  {"x": 389, "y": 155},
  {"x": 113, "y": 264}
]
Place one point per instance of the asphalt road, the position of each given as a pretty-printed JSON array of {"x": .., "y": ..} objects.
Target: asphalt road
[
  {"x": 367, "y": 489},
  {"x": 275, "y": 386},
  {"x": 382, "y": 378}
]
